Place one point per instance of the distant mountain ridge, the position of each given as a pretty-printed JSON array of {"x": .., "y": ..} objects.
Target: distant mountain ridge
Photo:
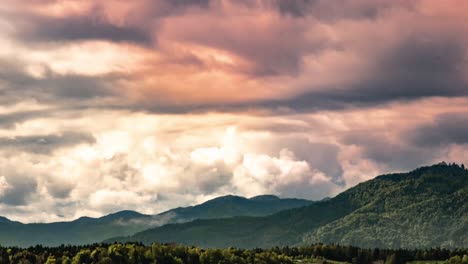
[
  {"x": 266, "y": 197},
  {"x": 4, "y": 220},
  {"x": 232, "y": 205},
  {"x": 86, "y": 230},
  {"x": 427, "y": 207}
]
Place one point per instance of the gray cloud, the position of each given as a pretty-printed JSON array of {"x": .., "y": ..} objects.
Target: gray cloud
[
  {"x": 53, "y": 88},
  {"x": 45, "y": 144},
  {"x": 137, "y": 28},
  {"x": 447, "y": 128},
  {"x": 11, "y": 119},
  {"x": 320, "y": 9},
  {"x": 75, "y": 86},
  {"x": 185, "y": 3},
  {"x": 335, "y": 10},
  {"x": 120, "y": 169},
  {"x": 294, "y": 8},
  {"x": 92, "y": 26},
  {"x": 324, "y": 157},
  {"x": 20, "y": 188},
  {"x": 414, "y": 70},
  {"x": 208, "y": 179},
  {"x": 59, "y": 189},
  {"x": 412, "y": 147},
  {"x": 395, "y": 155}
]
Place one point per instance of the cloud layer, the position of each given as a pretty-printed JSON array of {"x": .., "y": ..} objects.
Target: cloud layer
[{"x": 148, "y": 105}]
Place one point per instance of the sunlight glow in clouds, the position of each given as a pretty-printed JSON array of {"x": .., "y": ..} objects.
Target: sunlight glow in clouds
[{"x": 149, "y": 105}]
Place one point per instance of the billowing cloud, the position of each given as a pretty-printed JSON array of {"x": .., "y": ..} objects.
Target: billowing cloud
[{"x": 283, "y": 175}]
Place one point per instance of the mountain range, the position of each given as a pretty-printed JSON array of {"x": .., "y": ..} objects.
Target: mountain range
[
  {"x": 427, "y": 207},
  {"x": 423, "y": 208},
  {"x": 86, "y": 230}
]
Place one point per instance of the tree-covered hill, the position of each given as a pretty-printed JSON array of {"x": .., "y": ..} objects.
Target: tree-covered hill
[
  {"x": 87, "y": 230},
  {"x": 427, "y": 207}
]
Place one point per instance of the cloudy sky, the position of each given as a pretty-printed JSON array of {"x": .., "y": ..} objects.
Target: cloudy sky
[{"x": 147, "y": 105}]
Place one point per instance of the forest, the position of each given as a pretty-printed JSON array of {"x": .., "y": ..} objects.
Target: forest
[{"x": 134, "y": 253}]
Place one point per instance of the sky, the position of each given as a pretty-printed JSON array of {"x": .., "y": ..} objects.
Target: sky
[{"x": 147, "y": 105}]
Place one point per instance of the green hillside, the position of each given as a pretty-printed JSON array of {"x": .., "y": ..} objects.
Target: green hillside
[
  {"x": 88, "y": 230},
  {"x": 423, "y": 208}
]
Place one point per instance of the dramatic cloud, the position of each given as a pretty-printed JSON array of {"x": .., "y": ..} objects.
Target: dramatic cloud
[
  {"x": 304, "y": 55},
  {"x": 149, "y": 105}
]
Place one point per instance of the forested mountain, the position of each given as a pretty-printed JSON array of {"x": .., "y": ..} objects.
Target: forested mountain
[
  {"x": 231, "y": 205},
  {"x": 427, "y": 207},
  {"x": 87, "y": 230}
]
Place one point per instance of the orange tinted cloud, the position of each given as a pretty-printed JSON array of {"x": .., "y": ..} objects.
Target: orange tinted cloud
[{"x": 226, "y": 52}]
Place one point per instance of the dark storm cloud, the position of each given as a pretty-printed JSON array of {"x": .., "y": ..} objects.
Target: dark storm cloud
[
  {"x": 448, "y": 128},
  {"x": 20, "y": 188},
  {"x": 338, "y": 10},
  {"x": 415, "y": 69},
  {"x": 294, "y": 7},
  {"x": 412, "y": 147},
  {"x": 395, "y": 155},
  {"x": 320, "y": 9},
  {"x": 48, "y": 29},
  {"x": 185, "y": 3},
  {"x": 325, "y": 10},
  {"x": 16, "y": 85},
  {"x": 45, "y": 144},
  {"x": 95, "y": 25},
  {"x": 85, "y": 28}
]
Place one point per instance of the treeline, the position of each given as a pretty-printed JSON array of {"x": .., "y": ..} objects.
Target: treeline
[{"x": 135, "y": 253}]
